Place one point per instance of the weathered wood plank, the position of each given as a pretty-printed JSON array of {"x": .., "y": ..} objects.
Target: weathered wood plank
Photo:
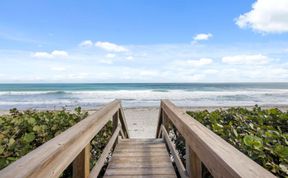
[
  {"x": 125, "y": 164},
  {"x": 100, "y": 162},
  {"x": 123, "y": 146},
  {"x": 142, "y": 176},
  {"x": 163, "y": 153},
  {"x": 50, "y": 159},
  {"x": 141, "y": 143},
  {"x": 123, "y": 121},
  {"x": 193, "y": 163},
  {"x": 146, "y": 162},
  {"x": 221, "y": 158},
  {"x": 177, "y": 160},
  {"x": 146, "y": 151},
  {"x": 160, "y": 121},
  {"x": 141, "y": 158},
  {"x": 140, "y": 171},
  {"x": 153, "y": 140},
  {"x": 81, "y": 164}
]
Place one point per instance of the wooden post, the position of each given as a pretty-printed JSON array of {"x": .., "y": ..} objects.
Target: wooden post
[
  {"x": 193, "y": 163},
  {"x": 81, "y": 164},
  {"x": 115, "y": 123},
  {"x": 115, "y": 120},
  {"x": 165, "y": 121}
]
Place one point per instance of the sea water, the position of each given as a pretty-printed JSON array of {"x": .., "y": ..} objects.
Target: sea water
[{"x": 90, "y": 96}]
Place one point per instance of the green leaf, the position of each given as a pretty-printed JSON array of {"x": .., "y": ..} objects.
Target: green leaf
[
  {"x": 36, "y": 128},
  {"x": 11, "y": 158},
  {"x": 31, "y": 120},
  {"x": 1, "y": 149},
  {"x": 282, "y": 151},
  {"x": 1, "y": 136},
  {"x": 28, "y": 137},
  {"x": 11, "y": 141},
  {"x": 274, "y": 111},
  {"x": 253, "y": 141},
  {"x": 284, "y": 168},
  {"x": 234, "y": 131}
]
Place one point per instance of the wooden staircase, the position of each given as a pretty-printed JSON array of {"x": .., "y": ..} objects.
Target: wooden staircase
[
  {"x": 136, "y": 157},
  {"x": 140, "y": 158}
]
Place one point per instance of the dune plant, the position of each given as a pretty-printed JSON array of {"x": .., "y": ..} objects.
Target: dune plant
[
  {"x": 23, "y": 131},
  {"x": 261, "y": 134}
]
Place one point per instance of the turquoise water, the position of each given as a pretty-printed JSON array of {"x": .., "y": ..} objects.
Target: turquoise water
[{"x": 50, "y": 96}]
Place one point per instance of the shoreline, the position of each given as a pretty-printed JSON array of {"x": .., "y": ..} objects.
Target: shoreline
[{"x": 193, "y": 108}]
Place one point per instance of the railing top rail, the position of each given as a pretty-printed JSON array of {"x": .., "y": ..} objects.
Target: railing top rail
[
  {"x": 51, "y": 158},
  {"x": 221, "y": 158}
]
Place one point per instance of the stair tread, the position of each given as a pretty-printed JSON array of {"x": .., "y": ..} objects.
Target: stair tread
[{"x": 140, "y": 158}]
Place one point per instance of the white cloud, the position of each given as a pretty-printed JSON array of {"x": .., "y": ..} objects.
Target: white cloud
[
  {"x": 246, "y": 59},
  {"x": 155, "y": 63},
  {"x": 61, "y": 54},
  {"x": 266, "y": 16},
  {"x": 130, "y": 58},
  {"x": 86, "y": 43},
  {"x": 110, "y": 55},
  {"x": 53, "y": 54},
  {"x": 192, "y": 63},
  {"x": 42, "y": 55},
  {"x": 202, "y": 36},
  {"x": 110, "y": 47}
]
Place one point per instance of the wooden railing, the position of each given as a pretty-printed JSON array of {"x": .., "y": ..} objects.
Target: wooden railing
[
  {"x": 204, "y": 146},
  {"x": 71, "y": 146}
]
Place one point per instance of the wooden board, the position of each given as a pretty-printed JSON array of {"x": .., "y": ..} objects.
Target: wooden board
[
  {"x": 220, "y": 158},
  {"x": 53, "y": 157},
  {"x": 140, "y": 158}
]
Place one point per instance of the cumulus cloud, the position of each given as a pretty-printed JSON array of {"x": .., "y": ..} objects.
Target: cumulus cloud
[
  {"x": 111, "y": 47},
  {"x": 110, "y": 55},
  {"x": 130, "y": 58},
  {"x": 202, "y": 36},
  {"x": 266, "y": 16},
  {"x": 86, "y": 43},
  {"x": 53, "y": 54},
  {"x": 246, "y": 59},
  {"x": 42, "y": 55},
  {"x": 57, "y": 53},
  {"x": 192, "y": 63}
]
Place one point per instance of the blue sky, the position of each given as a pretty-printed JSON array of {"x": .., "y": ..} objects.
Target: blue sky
[{"x": 144, "y": 41}]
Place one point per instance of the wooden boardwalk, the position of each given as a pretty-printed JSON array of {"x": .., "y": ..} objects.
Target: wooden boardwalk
[
  {"x": 137, "y": 157},
  {"x": 140, "y": 158}
]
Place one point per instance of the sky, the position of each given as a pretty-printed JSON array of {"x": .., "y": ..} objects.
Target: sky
[{"x": 51, "y": 41}]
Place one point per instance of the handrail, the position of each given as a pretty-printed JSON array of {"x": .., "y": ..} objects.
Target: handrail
[
  {"x": 51, "y": 158},
  {"x": 204, "y": 146},
  {"x": 177, "y": 160},
  {"x": 100, "y": 162}
]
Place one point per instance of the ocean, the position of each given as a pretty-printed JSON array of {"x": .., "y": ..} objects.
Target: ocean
[{"x": 90, "y": 95}]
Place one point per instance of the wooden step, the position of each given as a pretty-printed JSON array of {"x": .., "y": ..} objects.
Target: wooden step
[{"x": 140, "y": 158}]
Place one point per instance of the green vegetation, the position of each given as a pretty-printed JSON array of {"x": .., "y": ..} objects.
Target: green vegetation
[
  {"x": 260, "y": 134},
  {"x": 23, "y": 131}
]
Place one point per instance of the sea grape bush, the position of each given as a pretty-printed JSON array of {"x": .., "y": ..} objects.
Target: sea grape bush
[
  {"x": 23, "y": 131},
  {"x": 261, "y": 134}
]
